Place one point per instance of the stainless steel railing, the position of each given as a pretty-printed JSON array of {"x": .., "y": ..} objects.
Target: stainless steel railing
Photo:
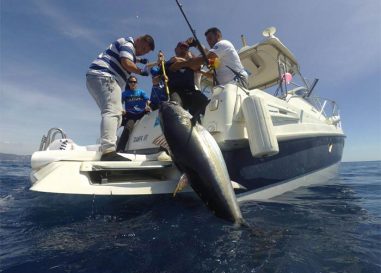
[
  {"x": 50, "y": 137},
  {"x": 326, "y": 108}
]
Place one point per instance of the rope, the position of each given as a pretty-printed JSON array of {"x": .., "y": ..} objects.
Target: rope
[{"x": 164, "y": 73}]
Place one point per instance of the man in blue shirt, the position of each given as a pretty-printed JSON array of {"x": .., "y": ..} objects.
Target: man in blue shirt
[
  {"x": 136, "y": 104},
  {"x": 106, "y": 78}
]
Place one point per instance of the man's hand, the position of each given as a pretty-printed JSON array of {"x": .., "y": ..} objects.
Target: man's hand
[
  {"x": 191, "y": 42},
  {"x": 148, "y": 108},
  {"x": 143, "y": 61},
  {"x": 144, "y": 71}
]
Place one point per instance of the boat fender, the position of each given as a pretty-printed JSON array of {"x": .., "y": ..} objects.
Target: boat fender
[{"x": 260, "y": 131}]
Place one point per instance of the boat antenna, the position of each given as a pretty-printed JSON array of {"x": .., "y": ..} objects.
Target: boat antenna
[{"x": 199, "y": 46}]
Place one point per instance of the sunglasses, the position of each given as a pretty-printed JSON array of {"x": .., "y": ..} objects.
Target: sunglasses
[{"x": 132, "y": 82}]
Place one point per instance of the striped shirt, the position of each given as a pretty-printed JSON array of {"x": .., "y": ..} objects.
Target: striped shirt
[{"x": 109, "y": 64}]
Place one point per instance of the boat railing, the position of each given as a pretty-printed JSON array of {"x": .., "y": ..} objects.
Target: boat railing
[
  {"x": 50, "y": 137},
  {"x": 326, "y": 108}
]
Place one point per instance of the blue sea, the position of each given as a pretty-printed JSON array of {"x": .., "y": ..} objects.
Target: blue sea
[{"x": 333, "y": 227}]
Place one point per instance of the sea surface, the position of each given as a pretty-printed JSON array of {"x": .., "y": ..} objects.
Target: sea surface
[{"x": 333, "y": 227}]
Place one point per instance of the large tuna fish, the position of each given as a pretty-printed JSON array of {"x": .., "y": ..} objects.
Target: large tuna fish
[{"x": 196, "y": 153}]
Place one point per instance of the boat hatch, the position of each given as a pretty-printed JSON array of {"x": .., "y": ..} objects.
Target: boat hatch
[{"x": 264, "y": 60}]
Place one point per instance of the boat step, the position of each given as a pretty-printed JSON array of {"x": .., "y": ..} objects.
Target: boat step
[{"x": 89, "y": 166}]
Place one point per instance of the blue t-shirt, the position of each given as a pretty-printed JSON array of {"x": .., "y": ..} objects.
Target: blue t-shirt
[
  {"x": 134, "y": 101},
  {"x": 158, "y": 94}
]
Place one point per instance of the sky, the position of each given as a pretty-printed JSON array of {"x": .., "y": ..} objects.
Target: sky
[{"x": 47, "y": 46}]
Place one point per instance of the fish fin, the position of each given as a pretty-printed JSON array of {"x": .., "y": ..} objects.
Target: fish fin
[
  {"x": 183, "y": 182},
  {"x": 162, "y": 142}
]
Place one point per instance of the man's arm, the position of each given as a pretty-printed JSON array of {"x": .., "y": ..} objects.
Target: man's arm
[
  {"x": 148, "y": 102},
  {"x": 192, "y": 63},
  {"x": 130, "y": 66},
  {"x": 197, "y": 61},
  {"x": 192, "y": 43},
  {"x": 176, "y": 63}
]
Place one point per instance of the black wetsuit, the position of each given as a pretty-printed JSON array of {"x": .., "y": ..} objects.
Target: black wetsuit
[{"x": 182, "y": 90}]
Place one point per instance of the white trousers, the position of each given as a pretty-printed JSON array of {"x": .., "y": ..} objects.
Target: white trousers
[{"x": 108, "y": 96}]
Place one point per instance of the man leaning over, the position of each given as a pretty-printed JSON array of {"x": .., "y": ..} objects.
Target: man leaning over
[{"x": 106, "y": 78}]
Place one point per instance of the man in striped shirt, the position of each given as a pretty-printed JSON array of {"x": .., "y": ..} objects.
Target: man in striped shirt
[{"x": 105, "y": 80}]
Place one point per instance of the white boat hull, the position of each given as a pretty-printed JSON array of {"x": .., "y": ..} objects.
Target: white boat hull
[{"x": 58, "y": 178}]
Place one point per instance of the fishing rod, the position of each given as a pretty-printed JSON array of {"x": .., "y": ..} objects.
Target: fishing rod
[
  {"x": 193, "y": 32},
  {"x": 201, "y": 49}
]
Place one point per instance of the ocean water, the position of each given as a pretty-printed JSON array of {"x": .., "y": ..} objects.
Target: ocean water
[{"x": 333, "y": 227}]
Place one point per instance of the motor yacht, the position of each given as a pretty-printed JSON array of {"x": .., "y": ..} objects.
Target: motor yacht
[{"x": 274, "y": 133}]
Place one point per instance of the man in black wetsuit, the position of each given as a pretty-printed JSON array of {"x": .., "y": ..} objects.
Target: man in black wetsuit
[{"x": 181, "y": 82}]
